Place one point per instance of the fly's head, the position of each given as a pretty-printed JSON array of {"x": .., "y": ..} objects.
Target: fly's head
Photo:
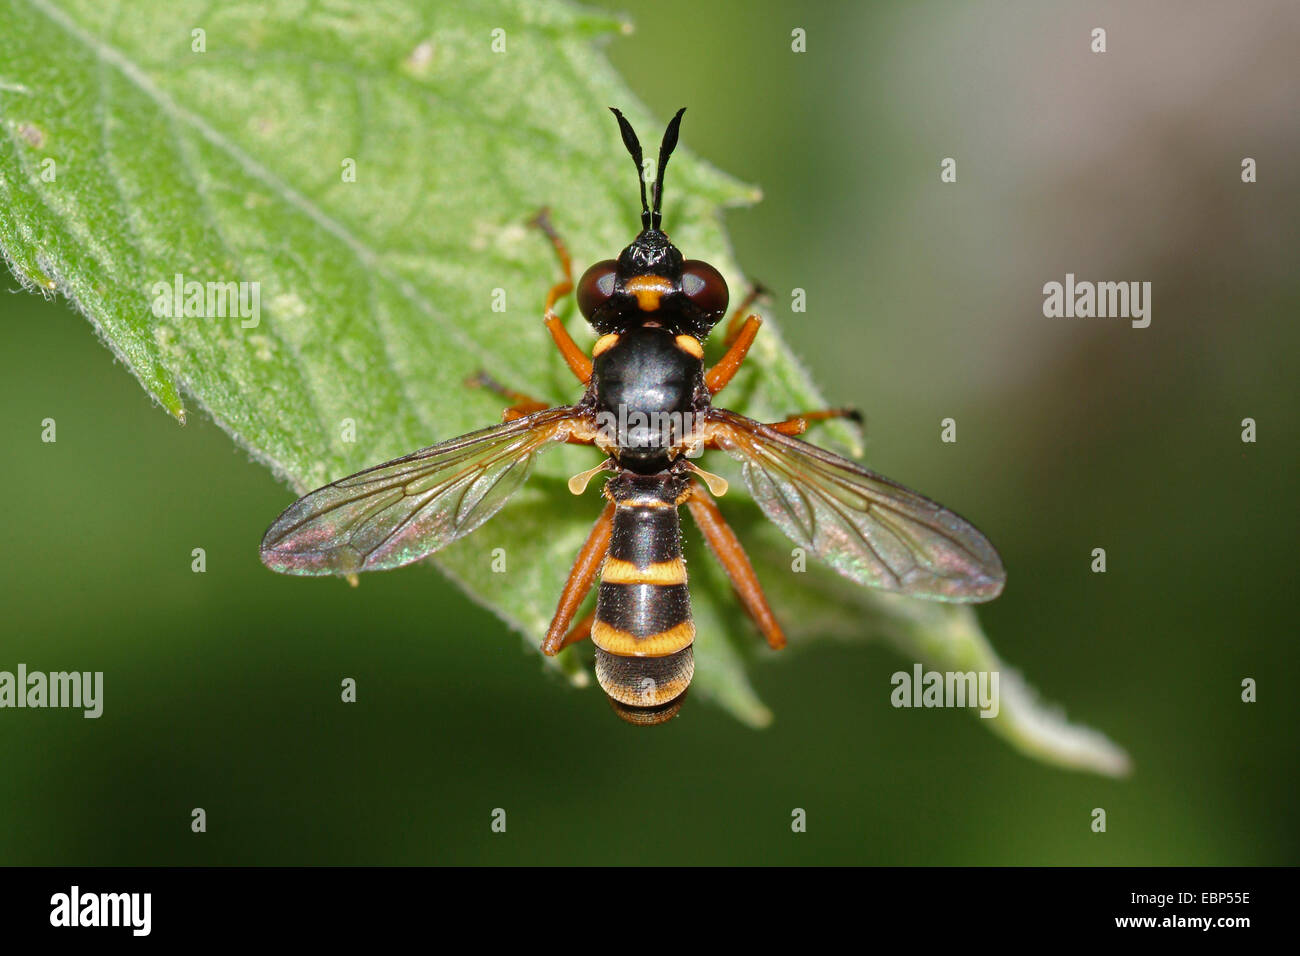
[{"x": 651, "y": 282}]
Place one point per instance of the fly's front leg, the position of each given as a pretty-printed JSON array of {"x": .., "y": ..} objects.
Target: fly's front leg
[
  {"x": 739, "y": 337},
  {"x": 521, "y": 403},
  {"x": 574, "y": 357},
  {"x": 737, "y": 320},
  {"x": 720, "y": 374}
]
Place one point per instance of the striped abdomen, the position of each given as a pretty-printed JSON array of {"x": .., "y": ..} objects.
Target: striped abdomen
[{"x": 643, "y": 629}]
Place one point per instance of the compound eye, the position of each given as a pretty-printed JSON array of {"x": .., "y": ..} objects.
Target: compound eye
[
  {"x": 704, "y": 286},
  {"x": 596, "y": 287}
]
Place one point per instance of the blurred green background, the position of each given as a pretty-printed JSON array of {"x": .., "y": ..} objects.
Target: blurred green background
[{"x": 924, "y": 301}]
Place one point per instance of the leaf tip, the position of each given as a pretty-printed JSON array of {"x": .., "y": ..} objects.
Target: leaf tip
[
  {"x": 760, "y": 718},
  {"x": 1044, "y": 732},
  {"x": 739, "y": 700}
]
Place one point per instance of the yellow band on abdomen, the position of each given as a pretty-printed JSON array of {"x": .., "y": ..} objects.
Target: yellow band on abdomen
[{"x": 623, "y": 644}]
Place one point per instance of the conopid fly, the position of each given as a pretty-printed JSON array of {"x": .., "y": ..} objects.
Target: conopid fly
[{"x": 648, "y": 408}]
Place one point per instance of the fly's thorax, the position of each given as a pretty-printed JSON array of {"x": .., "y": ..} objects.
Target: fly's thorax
[
  {"x": 647, "y": 369},
  {"x": 643, "y": 629},
  {"x": 648, "y": 385}
]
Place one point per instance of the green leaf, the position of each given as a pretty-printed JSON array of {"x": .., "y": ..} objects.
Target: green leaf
[{"x": 129, "y": 157}]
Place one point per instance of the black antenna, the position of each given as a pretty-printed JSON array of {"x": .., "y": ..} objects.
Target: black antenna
[
  {"x": 665, "y": 150},
  {"x": 634, "y": 147}
]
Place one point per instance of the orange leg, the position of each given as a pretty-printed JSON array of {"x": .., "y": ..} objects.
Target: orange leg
[
  {"x": 580, "y": 631},
  {"x": 717, "y": 377},
  {"x": 731, "y": 555},
  {"x": 738, "y": 317},
  {"x": 581, "y": 578},
  {"x": 573, "y": 356},
  {"x": 798, "y": 424},
  {"x": 522, "y": 404}
]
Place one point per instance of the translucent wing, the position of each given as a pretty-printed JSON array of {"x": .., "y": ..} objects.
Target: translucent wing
[
  {"x": 866, "y": 527},
  {"x": 400, "y": 511}
]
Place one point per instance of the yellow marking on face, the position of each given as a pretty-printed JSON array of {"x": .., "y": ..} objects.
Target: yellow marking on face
[
  {"x": 604, "y": 344},
  {"x": 648, "y": 290},
  {"x": 690, "y": 345},
  {"x": 623, "y": 644},
  {"x": 617, "y": 571}
]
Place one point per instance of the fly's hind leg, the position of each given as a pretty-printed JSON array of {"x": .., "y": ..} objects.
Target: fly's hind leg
[
  {"x": 726, "y": 547},
  {"x": 578, "y": 586},
  {"x": 580, "y": 631}
]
